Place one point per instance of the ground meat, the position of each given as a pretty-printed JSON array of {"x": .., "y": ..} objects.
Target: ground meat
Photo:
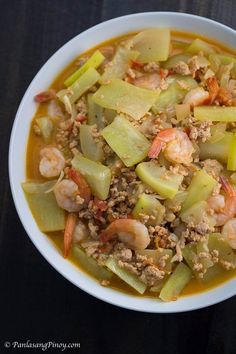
[
  {"x": 197, "y": 63},
  {"x": 122, "y": 252},
  {"x": 181, "y": 68},
  {"x": 91, "y": 247},
  {"x": 151, "y": 274},
  {"x": 36, "y": 129},
  {"x": 129, "y": 266},
  {"x": 151, "y": 67},
  {"x": 198, "y": 130},
  {"x": 212, "y": 167}
]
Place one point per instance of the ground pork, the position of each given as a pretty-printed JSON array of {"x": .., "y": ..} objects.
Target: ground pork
[
  {"x": 151, "y": 274},
  {"x": 212, "y": 167},
  {"x": 181, "y": 68},
  {"x": 151, "y": 67}
]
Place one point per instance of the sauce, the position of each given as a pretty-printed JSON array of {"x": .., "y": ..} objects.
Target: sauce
[{"x": 35, "y": 144}]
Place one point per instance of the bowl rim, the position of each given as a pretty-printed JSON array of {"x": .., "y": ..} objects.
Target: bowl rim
[{"x": 64, "y": 267}]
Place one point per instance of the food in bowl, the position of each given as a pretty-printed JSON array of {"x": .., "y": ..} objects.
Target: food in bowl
[{"x": 131, "y": 160}]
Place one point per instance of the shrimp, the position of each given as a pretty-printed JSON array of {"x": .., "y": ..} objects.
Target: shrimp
[
  {"x": 45, "y": 96},
  {"x": 68, "y": 233},
  {"x": 213, "y": 88},
  {"x": 196, "y": 97},
  {"x": 84, "y": 189},
  {"x": 80, "y": 232},
  {"x": 148, "y": 81},
  {"x": 131, "y": 232},
  {"x": 176, "y": 145},
  {"x": 224, "y": 207},
  {"x": 52, "y": 162},
  {"x": 229, "y": 232},
  {"x": 66, "y": 192}
]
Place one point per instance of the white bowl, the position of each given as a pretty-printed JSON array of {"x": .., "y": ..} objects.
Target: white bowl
[{"x": 19, "y": 137}]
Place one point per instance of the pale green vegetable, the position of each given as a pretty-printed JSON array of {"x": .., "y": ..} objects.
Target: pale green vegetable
[
  {"x": 152, "y": 44},
  {"x": 226, "y": 253},
  {"x": 159, "y": 179},
  {"x": 157, "y": 257},
  {"x": 124, "y": 97},
  {"x": 200, "y": 188},
  {"x": 47, "y": 214},
  {"x": 149, "y": 205},
  {"x": 129, "y": 278},
  {"x": 94, "y": 61},
  {"x": 126, "y": 140},
  {"x": 97, "y": 175},
  {"x": 175, "y": 93},
  {"x": 119, "y": 65},
  {"x": 79, "y": 87},
  {"x": 90, "y": 265},
  {"x": 215, "y": 113},
  {"x": 192, "y": 256},
  {"x": 231, "y": 163},
  {"x": 176, "y": 59},
  {"x": 46, "y": 128},
  {"x": 217, "y": 132},
  {"x": 198, "y": 45},
  {"x": 109, "y": 115},
  {"x": 219, "y": 59},
  {"x": 212, "y": 273},
  {"x": 218, "y": 150},
  {"x": 95, "y": 113},
  {"x": 176, "y": 283},
  {"x": 90, "y": 148},
  {"x": 197, "y": 213},
  {"x": 202, "y": 249}
]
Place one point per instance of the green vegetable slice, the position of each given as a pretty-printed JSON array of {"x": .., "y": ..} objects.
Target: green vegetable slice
[
  {"x": 126, "y": 140},
  {"x": 176, "y": 59},
  {"x": 79, "y": 87},
  {"x": 124, "y": 97},
  {"x": 90, "y": 264},
  {"x": 198, "y": 45},
  {"x": 176, "y": 283},
  {"x": 131, "y": 279},
  {"x": 97, "y": 175},
  {"x": 218, "y": 150},
  {"x": 215, "y": 113},
  {"x": 152, "y": 44},
  {"x": 47, "y": 214},
  {"x": 159, "y": 179},
  {"x": 46, "y": 128},
  {"x": 150, "y": 206},
  {"x": 95, "y": 113},
  {"x": 94, "y": 61},
  {"x": 90, "y": 148},
  {"x": 200, "y": 188},
  {"x": 157, "y": 255},
  {"x": 119, "y": 64},
  {"x": 175, "y": 92},
  {"x": 231, "y": 163}
]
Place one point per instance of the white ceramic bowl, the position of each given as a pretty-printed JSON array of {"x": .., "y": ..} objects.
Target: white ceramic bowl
[{"x": 19, "y": 136}]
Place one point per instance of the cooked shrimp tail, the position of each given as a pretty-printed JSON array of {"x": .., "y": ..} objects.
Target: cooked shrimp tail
[
  {"x": 227, "y": 187},
  {"x": 131, "y": 232},
  {"x": 176, "y": 146},
  {"x": 68, "y": 233},
  {"x": 160, "y": 141},
  {"x": 84, "y": 189},
  {"x": 225, "y": 208}
]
